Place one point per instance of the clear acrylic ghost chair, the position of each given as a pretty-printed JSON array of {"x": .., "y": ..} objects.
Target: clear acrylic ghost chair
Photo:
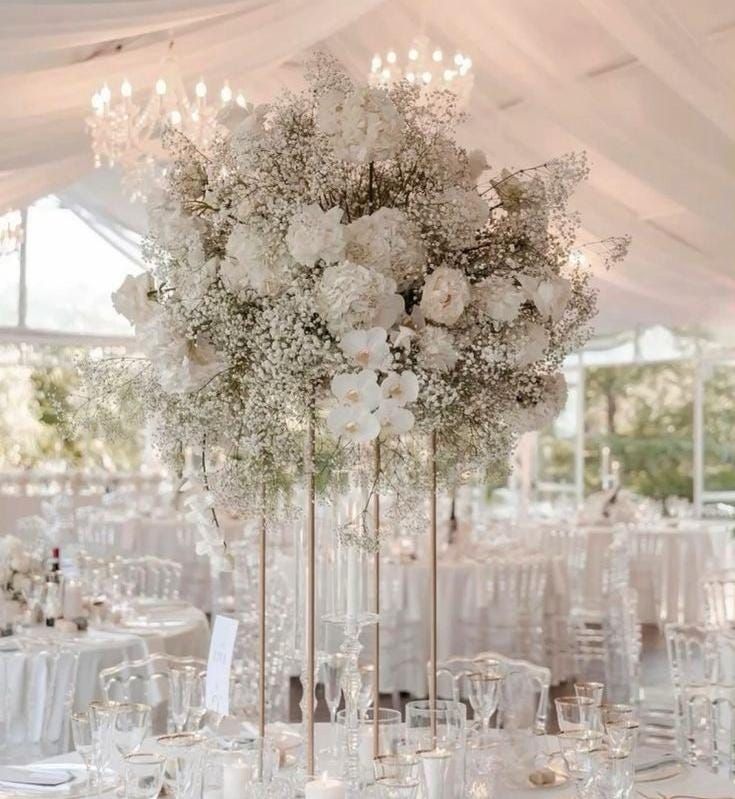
[
  {"x": 37, "y": 687},
  {"x": 147, "y": 680},
  {"x": 719, "y": 598},
  {"x": 650, "y": 568}
]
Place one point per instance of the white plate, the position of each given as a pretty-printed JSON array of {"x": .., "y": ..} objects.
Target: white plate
[
  {"x": 663, "y": 772},
  {"x": 76, "y": 789}
]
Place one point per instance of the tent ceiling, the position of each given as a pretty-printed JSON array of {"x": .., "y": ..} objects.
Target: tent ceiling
[{"x": 646, "y": 87}]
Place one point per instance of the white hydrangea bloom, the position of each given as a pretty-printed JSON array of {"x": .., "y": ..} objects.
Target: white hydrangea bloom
[
  {"x": 437, "y": 352},
  {"x": 549, "y": 295},
  {"x": 355, "y": 423},
  {"x": 388, "y": 242},
  {"x": 445, "y": 294},
  {"x": 250, "y": 263},
  {"x": 499, "y": 298},
  {"x": 532, "y": 344},
  {"x": 315, "y": 235},
  {"x": 363, "y": 125},
  {"x": 464, "y": 213},
  {"x": 359, "y": 389},
  {"x": 351, "y": 296},
  {"x": 394, "y": 419},
  {"x": 367, "y": 348},
  {"x": 133, "y": 299},
  {"x": 402, "y": 388}
]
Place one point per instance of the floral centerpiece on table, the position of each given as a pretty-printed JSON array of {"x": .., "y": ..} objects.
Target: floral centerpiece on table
[
  {"x": 17, "y": 565},
  {"x": 337, "y": 269}
]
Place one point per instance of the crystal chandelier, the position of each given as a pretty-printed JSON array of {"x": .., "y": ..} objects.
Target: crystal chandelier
[
  {"x": 129, "y": 135},
  {"x": 11, "y": 232},
  {"x": 426, "y": 65}
]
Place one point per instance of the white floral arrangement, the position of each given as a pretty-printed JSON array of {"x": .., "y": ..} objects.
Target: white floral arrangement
[
  {"x": 17, "y": 565},
  {"x": 337, "y": 265}
]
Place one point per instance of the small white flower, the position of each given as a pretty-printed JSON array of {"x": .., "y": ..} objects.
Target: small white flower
[
  {"x": 354, "y": 423},
  {"x": 436, "y": 349},
  {"x": 133, "y": 299},
  {"x": 358, "y": 390},
  {"x": 363, "y": 125},
  {"x": 499, "y": 298},
  {"x": 444, "y": 296},
  {"x": 394, "y": 419},
  {"x": 367, "y": 348},
  {"x": 533, "y": 345},
  {"x": 316, "y": 235},
  {"x": 402, "y": 337},
  {"x": 402, "y": 388},
  {"x": 464, "y": 212},
  {"x": 550, "y": 295}
]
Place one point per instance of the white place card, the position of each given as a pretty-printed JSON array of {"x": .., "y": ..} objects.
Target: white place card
[{"x": 221, "y": 647}]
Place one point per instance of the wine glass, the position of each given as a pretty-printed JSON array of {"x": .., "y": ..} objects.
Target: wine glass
[
  {"x": 580, "y": 750},
  {"x": 484, "y": 690},
  {"x": 181, "y": 682},
  {"x": 397, "y": 776},
  {"x": 130, "y": 727},
  {"x": 197, "y": 702},
  {"x": 367, "y": 686},
  {"x": 81, "y": 733},
  {"x": 101, "y": 720},
  {"x": 590, "y": 690},
  {"x": 183, "y": 753},
  {"x": 143, "y": 774},
  {"x": 332, "y": 667},
  {"x": 575, "y": 713}
]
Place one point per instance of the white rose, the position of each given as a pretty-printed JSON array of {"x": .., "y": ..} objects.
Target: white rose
[
  {"x": 402, "y": 388},
  {"x": 315, "y": 235},
  {"x": 436, "y": 349},
  {"x": 394, "y": 419},
  {"x": 359, "y": 390},
  {"x": 20, "y": 561},
  {"x": 499, "y": 298},
  {"x": 250, "y": 262},
  {"x": 463, "y": 213},
  {"x": 532, "y": 344},
  {"x": 445, "y": 294},
  {"x": 367, "y": 348},
  {"x": 352, "y": 296},
  {"x": 549, "y": 295},
  {"x": 132, "y": 299},
  {"x": 354, "y": 423},
  {"x": 363, "y": 125},
  {"x": 388, "y": 242}
]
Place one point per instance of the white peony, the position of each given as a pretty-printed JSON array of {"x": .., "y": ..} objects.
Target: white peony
[
  {"x": 445, "y": 294},
  {"x": 354, "y": 423},
  {"x": 388, "y": 242},
  {"x": 532, "y": 345},
  {"x": 251, "y": 263},
  {"x": 402, "y": 388},
  {"x": 549, "y": 295},
  {"x": 367, "y": 348},
  {"x": 363, "y": 125},
  {"x": 359, "y": 389},
  {"x": 315, "y": 235},
  {"x": 436, "y": 349},
  {"x": 499, "y": 298},
  {"x": 464, "y": 212},
  {"x": 394, "y": 419},
  {"x": 538, "y": 416},
  {"x": 352, "y": 296},
  {"x": 133, "y": 299}
]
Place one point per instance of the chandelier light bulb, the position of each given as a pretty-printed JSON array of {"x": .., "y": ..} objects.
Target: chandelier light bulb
[
  {"x": 376, "y": 63},
  {"x": 96, "y": 101},
  {"x": 226, "y": 94},
  {"x": 448, "y": 75},
  {"x": 413, "y": 54},
  {"x": 105, "y": 94},
  {"x": 411, "y": 77},
  {"x": 391, "y": 57},
  {"x": 437, "y": 55},
  {"x": 126, "y": 89},
  {"x": 201, "y": 90},
  {"x": 385, "y": 74},
  {"x": 426, "y": 77},
  {"x": 240, "y": 100},
  {"x": 160, "y": 87},
  {"x": 458, "y": 59},
  {"x": 175, "y": 117}
]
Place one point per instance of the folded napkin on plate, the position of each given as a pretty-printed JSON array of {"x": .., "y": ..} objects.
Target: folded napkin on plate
[{"x": 46, "y": 778}]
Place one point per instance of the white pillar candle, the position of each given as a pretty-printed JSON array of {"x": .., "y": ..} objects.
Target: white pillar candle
[
  {"x": 435, "y": 767},
  {"x": 72, "y": 608},
  {"x": 325, "y": 788},
  {"x": 236, "y": 777}
]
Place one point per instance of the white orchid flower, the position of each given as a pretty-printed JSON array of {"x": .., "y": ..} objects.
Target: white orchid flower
[
  {"x": 367, "y": 348},
  {"x": 550, "y": 295},
  {"x": 403, "y": 388},
  {"x": 394, "y": 420},
  {"x": 354, "y": 423},
  {"x": 357, "y": 390}
]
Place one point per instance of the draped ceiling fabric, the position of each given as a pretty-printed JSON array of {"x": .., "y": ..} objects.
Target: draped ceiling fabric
[{"x": 644, "y": 86}]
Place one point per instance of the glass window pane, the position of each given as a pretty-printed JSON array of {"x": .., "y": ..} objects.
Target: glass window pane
[
  {"x": 555, "y": 459},
  {"x": 719, "y": 424},
  {"x": 9, "y": 275},
  {"x": 71, "y": 272}
]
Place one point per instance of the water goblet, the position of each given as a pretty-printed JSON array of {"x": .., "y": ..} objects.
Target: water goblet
[
  {"x": 575, "y": 713},
  {"x": 143, "y": 775},
  {"x": 130, "y": 726},
  {"x": 332, "y": 668},
  {"x": 197, "y": 702},
  {"x": 590, "y": 690},
  {"x": 617, "y": 712},
  {"x": 183, "y": 753},
  {"x": 581, "y": 750},
  {"x": 484, "y": 695},
  {"x": 181, "y": 682},
  {"x": 101, "y": 719},
  {"x": 397, "y": 775},
  {"x": 622, "y": 736},
  {"x": 81, "y": 733}
]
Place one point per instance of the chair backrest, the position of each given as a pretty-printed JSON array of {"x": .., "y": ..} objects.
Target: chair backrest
[
  {"x": 147, "y": 681},
  {"x": 149, "y": 576},
  {"x": 37, "y": 686},
  {"x": 570, "y": 543},
  {"x": 719, "y": 598}
]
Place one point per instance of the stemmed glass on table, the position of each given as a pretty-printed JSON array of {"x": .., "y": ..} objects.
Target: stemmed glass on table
[
  {"x": 181, "y": 685},
  {"x": 484, "y": 688},
  {"x": 332, "y": 668},
  {"x": 197, "y": 701},
  {"x": 81, "y": 733}
]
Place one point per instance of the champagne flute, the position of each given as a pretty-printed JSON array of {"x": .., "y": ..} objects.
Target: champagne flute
[
  {"x": 181, "y": 681},
  {"x": 81, "y": 733},
  {"x": 367, "y": 685},
  {"x": 101, "y": 720},
  {"x": 333, "y": 666},
  {"x": 197, "y": 704},
  {"x": 484, "y": 690}
]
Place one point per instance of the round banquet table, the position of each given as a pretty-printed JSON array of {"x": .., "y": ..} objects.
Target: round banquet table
[{"x": 690, "y": 783}]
